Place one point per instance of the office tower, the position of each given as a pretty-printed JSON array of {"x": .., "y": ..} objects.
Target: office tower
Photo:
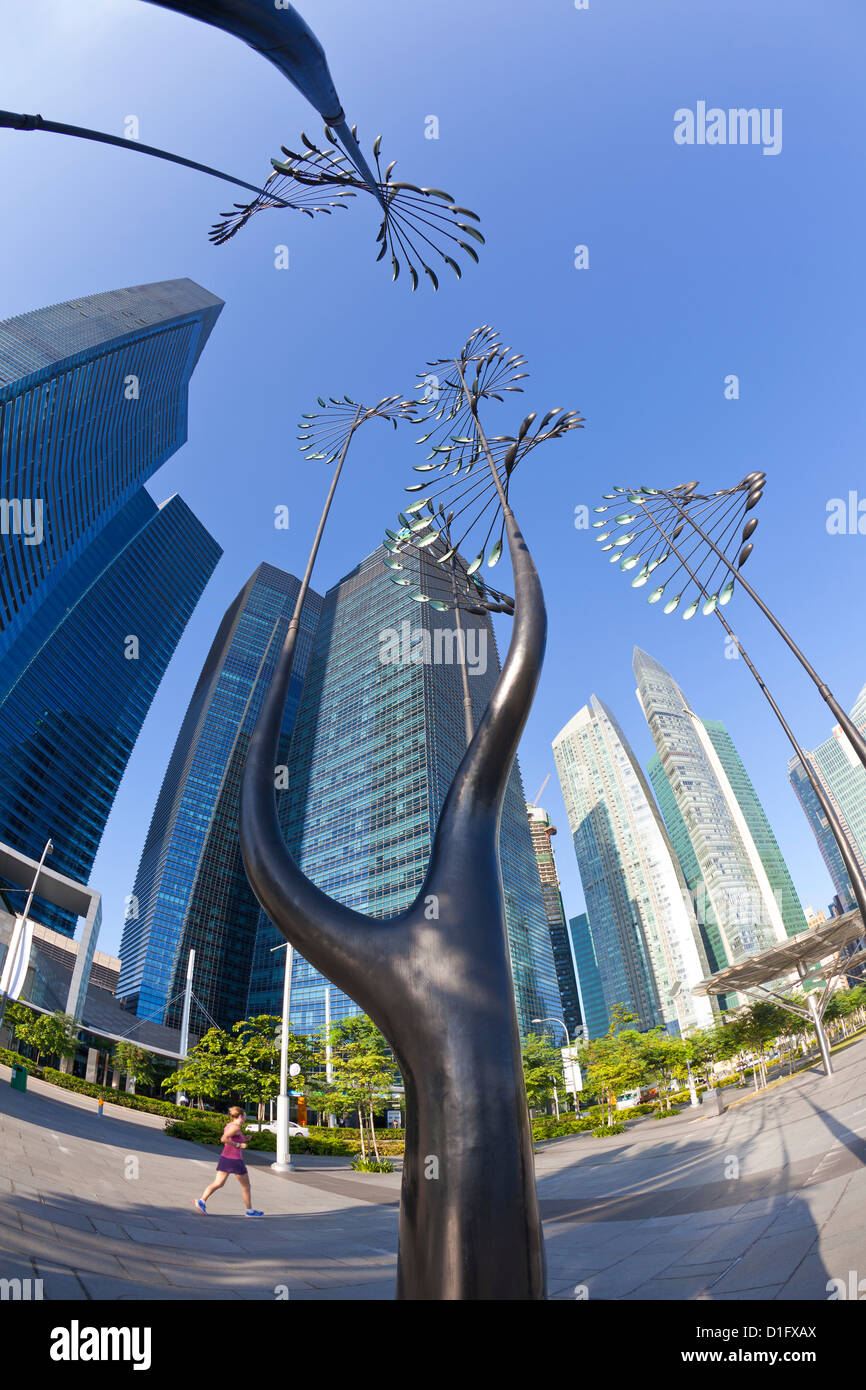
[
  {"x": 844, "y": 780},
  {"x": 191, "y": 891},
  {"x": 743, "y": 891},
  {"x": 379, "y": 734},
  {"x": 93, "y": 399},
  {"x": 589, "y": 986},
  {"x": 542, "y": 832},
  {"x": 647, "y": 946},
  {"x": 70, "y": 718}
]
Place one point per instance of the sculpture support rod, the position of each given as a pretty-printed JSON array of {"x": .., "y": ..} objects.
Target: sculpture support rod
[
  {"x": 17, "y": 120},
  {"x": 852, "y": 867},
  {"x": 854, "y": 735}
]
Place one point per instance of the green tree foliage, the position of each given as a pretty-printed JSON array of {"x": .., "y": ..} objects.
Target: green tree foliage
[
  {"x": 542, "y": 1069},
  {"x": 364, "y": 1072},
  {"x": 50, "y": 1035},
  {"x": 618, "y": 1061},
  {"x": 135, "y": 1062}
]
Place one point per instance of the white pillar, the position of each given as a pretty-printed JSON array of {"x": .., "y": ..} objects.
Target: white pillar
[{"x": 284, "y": 1157}]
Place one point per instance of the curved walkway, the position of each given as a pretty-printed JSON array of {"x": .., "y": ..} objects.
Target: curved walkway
[{"x": 766, "y": 1201}]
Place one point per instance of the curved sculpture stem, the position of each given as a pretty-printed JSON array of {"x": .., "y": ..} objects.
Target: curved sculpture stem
[{"x": 437, "y": 980}]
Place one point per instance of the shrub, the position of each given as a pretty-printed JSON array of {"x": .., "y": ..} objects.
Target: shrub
[
  {"x": 665, "y": 1114},
  {"x": 131, "y": 1102},
  {"x": 14, "y": 1059},
  {"x": 601, "y": 1131},
  {"x": 372, "y": 1165}
]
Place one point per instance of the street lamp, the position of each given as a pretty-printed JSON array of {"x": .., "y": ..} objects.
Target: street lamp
[{"x": 284, "y": 1145}]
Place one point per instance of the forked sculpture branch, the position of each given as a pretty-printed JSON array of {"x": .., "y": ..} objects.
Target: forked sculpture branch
[{"x": 436, "y": 978}]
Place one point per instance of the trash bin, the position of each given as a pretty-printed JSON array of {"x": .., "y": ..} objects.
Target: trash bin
[{"x": 18, "y": 1080}]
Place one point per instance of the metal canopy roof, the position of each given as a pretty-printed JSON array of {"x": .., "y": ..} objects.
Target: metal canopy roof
[{"x": 807, "y": 948}]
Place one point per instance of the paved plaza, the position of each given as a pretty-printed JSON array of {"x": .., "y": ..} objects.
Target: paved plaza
[{"x": 767, "y": 1201}]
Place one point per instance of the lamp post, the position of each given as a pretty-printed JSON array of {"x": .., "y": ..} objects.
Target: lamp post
[
  {"x": 284, "y": 1149},
  {"x": 568, "y": 1045}
]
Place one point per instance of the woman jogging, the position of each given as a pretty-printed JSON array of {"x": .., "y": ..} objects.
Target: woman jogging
[{"x": 231, "y": 1161}]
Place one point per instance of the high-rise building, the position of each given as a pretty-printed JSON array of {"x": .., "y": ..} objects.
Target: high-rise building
[
  {"x": 379, "y": 734},
  {"x": 93, "y": 399},
  {"x": 589, "y": 987},
  {"x": 744, "y": 896},
  {"x": 70, "y": 718},
  {"x": 542, "y": 830},
  {"x": 844, "y": 780},
  {"x": 647, "y": 946},
  {"x": 191, "y": 891}
]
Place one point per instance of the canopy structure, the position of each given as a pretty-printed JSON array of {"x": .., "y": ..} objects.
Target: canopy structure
[{"x": 826, "y": 943}]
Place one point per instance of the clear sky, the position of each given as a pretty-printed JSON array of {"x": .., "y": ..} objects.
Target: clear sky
[{"x": 557, "y": 126}]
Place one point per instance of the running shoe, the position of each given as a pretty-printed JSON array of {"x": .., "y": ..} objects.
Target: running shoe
[
  {"x": 201, "y": 1206},
  {"x": 252, "y": 1212}
]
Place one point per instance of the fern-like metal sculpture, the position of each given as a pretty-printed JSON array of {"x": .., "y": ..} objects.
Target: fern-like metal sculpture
[
  {"x": 698, "y": 543},
  {"x": 438, "y": 981},
  {"x": 713, "y": 530},
  {"x": 418, "y": 224}
]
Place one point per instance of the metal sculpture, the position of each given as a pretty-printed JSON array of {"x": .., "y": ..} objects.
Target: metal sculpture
[
  {"x": 437, "y": 978},
  {"x": 693, "y": 538},
  {"x": 417, "y": 223}
]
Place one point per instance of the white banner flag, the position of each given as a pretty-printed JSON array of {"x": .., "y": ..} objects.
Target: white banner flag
[{"x": 17, "y": 958}]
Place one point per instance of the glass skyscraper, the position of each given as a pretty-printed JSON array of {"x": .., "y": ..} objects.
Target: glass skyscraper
[
  {"x": 191, "y": 891},
  {"x": 644, "y": 933},
  {"x": 542, "y": 831},
  {"x": 96, "y": 581},
  {"x": 69, "y": 721},
  {"x": 589, "y": 986},
  {"x": 744, "y": 896},
  {"x": 379, "y": 734},
  {"x": 844, "y": 780},
  {"x": 93, "y": 399}
]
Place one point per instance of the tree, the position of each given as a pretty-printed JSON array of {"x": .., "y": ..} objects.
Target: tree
[
  {"x": 664, "y": 1055},
  {"x": 50, "y": 1035},
  {"x": 756, "y": 1025},
  {"x": 542, "y": 1069},
  {"x": 617, "y": 1062},
  {"x": 135, "y": 1062},
  {"x": 255, "y": 1054},
  {"x": 209, "y": 1070},
  {"x": 364, "y": 1070}
]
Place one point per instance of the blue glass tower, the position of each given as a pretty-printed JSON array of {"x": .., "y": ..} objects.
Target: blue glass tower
[
  {"x": 379, "y": 734},
  {"x": 842, "y": 775},
  {"x": 590, "y": 989},
  {"x": 69, "y": 720},
  {"x": 93, "y": 399},
  {"x": 191, "y": 891}
]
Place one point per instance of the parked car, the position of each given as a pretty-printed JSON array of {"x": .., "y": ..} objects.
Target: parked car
[{"x": 293, "y": 1129}]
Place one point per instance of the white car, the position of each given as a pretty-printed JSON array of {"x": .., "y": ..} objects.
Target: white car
[{"x": 293, "y": 1129}]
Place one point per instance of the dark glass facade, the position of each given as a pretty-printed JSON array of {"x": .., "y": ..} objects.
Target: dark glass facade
[
  {"x": 69, "y": 722},
  {"x": 588, "y": 977},
  {"x": 542, "y": 831},
  {"x": 191, "y": 891},
  {"x": 93, "y": 399},
  {"x": 379, "y": 735}
]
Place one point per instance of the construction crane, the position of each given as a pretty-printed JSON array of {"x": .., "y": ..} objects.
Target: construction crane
[{"x": 540, "y": 790}]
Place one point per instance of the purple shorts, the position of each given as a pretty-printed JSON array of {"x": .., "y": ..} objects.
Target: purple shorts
[{"x": 231, "y": 1165}]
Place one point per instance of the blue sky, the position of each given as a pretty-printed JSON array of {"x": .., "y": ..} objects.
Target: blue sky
[{"x": 556, "y": 125}]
